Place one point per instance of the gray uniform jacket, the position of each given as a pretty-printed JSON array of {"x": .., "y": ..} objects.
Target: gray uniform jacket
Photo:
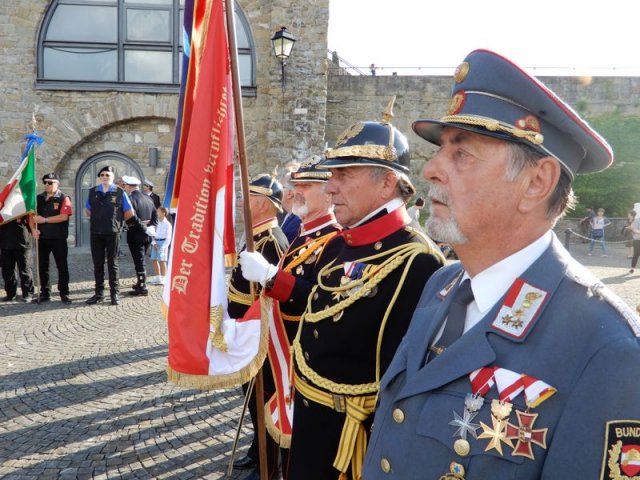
[{"x": 582, "y": 340}]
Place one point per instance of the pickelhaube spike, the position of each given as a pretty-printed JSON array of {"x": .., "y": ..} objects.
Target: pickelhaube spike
[{"x": 387, "y": 115}]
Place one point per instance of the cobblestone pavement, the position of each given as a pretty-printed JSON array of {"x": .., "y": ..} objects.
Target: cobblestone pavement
[{"x": 83, "y": 391}]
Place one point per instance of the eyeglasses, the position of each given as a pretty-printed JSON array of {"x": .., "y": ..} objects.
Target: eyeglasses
[
  {"x": 104, "y": 174},
  {"x": 49, "y": 182}
]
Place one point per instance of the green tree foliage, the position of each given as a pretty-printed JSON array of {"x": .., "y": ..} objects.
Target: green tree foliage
[{"x": 617, "y": 188}]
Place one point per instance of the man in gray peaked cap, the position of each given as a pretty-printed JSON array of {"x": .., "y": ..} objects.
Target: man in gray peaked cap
[{"x": 517, "y": 362}]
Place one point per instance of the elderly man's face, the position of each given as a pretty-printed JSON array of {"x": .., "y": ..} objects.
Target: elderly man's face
[
  {"x": 355, "y": 193},
  {"x": 469, "y": 191},
  {"x": 311, "y": 200}
]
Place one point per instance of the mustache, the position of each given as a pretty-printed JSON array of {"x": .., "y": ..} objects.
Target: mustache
[{"x": 436, "y": 192}]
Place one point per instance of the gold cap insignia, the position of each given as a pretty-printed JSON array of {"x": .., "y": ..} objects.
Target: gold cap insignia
[
  {"x": 461, "y": 72},
  {"x": 456, "y": 103}
]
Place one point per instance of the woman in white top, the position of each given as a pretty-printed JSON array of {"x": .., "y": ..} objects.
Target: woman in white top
[{"x": 160, "y": 247}]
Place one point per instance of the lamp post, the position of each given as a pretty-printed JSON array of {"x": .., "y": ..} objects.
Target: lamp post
[{"x": 282, "y": 44}]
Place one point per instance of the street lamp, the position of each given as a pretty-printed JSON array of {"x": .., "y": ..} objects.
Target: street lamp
[{"x": 282, "y": 43}]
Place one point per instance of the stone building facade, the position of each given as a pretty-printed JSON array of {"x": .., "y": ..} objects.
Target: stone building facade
[{"x": 134, "y": 128}]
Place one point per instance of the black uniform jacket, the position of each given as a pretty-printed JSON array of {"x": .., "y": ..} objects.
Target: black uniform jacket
[
  {"x": 357, "y": 315},
  {"x": 318, "y": 244}
]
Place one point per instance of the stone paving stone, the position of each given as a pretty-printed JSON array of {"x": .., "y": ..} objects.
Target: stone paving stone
[{"x": 83, "y": 390}]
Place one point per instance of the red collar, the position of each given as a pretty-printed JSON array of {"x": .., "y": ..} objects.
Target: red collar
[
  {"x": 327, "y": 219},
  {"x": 377, "y": 229}
]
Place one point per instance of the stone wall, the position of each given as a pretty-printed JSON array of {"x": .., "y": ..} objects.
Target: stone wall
[
  {"x": 281, "y": 124},
  {"x": 352, "y": 98}
]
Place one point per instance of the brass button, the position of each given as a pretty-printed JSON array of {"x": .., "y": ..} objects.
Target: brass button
[
  {"x": 305, "y": 402},
  {"x": 315, "y": 334},
  {"x": 306, "y": 356},
  {"x": 398, "y": 415},
  {"x": 461, "y": 447},
  {"x": 377, "y": 245},
  {"x": 385, "y": 465}
]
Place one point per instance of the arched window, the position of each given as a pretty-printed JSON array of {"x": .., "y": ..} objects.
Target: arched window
[{"x": 128, "y": 45}]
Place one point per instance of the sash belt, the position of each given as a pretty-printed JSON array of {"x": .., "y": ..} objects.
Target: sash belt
[{"x": 353, "y": 440}]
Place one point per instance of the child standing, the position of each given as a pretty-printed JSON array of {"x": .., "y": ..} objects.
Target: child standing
[{"x": 160, "y": 246}]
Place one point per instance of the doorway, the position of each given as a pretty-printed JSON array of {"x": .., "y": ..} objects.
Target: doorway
[{"x": 87, "y": 178}]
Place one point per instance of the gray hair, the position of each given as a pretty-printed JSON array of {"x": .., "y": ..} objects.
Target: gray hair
[
  {"x": 404, "y": 188},
  {"x": 562, "y": 199}
]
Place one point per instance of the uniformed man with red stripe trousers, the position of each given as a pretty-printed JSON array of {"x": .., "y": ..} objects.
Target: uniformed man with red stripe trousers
[
  {"x": 361, "y": 306},
  {"x": 290, "y": 283},
  {"x": 265, "y": 202}
]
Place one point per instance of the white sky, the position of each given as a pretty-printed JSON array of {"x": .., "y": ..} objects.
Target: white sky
[{"x": 552, "y": 37}]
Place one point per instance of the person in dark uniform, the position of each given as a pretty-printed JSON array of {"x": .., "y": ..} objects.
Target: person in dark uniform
[
  {"x": 54, "y": 210},
  {"x": 137, "y": 237},
  {"x": 15, "y": 243},
  {"x": 265, "y": 202},
  {"x": 289, "y": 221},
  {"x": 518, "y": 363},
  {"x": 290, "y": 284},
  {"x": 362, "y": 304},
  {"x": 108, "y": 206},
  {"x": 147, "y": 188}
]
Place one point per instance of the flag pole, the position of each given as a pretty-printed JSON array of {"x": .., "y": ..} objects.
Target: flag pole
[
  {"x": 38, "y": 287},
  {"x": 248, "y": 224}
]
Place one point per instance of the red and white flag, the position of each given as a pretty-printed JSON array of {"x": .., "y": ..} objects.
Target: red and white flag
[{"x": 207, "y": 349}]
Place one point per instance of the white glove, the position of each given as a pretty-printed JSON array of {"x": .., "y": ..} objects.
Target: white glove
[{"x": 255, "y": 267}]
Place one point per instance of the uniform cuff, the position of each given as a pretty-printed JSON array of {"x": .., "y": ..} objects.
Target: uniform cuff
[{"x": 282, "y": 286}]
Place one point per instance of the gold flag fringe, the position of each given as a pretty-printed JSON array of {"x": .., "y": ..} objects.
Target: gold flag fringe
[
  {"x": 231, "y": 380},
  {"x": 282, "y": 439}
]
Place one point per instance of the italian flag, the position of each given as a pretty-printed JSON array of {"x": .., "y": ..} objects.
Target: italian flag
[{"x": 18, "y": 197}]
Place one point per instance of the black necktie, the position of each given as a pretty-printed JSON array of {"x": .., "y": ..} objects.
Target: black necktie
[{"x": 454, "y": 327}]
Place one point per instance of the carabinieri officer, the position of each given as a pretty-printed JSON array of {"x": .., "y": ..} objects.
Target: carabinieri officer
[{"x": 108, "y": 206}]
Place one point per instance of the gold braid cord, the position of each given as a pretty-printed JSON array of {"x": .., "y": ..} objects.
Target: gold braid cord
[
  {"x": 398, "y": 256},
  {"x": 312, "y": 247},
  {"x": 494, "y": 126}
]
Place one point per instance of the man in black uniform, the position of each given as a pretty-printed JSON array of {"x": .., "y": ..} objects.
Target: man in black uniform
[
  {"x": 290, "y": 284},
  {"x": 108, "y": 206},
  {"x": 137, "y": 237},
  {"x": 362, "y": 305},
  {"x": 15, "y": 242},
  {"x": 147, "y": 188},
  {"x": 265, "y": 203},
  {"x": 54, "y": 210}
]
